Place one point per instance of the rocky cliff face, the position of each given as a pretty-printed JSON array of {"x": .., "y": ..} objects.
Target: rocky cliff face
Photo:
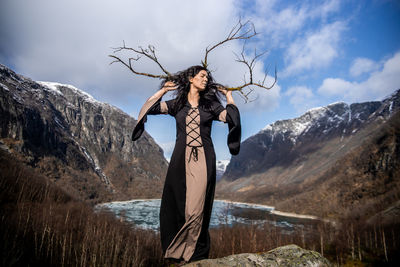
[
  {"x": 80, "y": 143},
  {"x": 327, "y": 162}
]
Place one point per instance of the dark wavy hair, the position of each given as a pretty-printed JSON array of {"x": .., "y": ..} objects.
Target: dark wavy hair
[{"x": 181, "y": 79}]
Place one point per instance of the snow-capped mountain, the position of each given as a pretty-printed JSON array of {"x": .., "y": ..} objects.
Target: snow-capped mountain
[
  {"x": 221, "y": 168},
  {"x": 81, "y": 143},
  {"x": 285, "y": 141},
  {"x": 331, "y": 161}
]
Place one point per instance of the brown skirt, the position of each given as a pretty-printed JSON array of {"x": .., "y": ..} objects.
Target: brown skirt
[{"x": 184, "y": 243}]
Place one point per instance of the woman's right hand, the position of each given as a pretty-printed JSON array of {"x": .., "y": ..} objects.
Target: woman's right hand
[
  {"x": 227, "y": 93},
  {"x": 169, "y": 86}
]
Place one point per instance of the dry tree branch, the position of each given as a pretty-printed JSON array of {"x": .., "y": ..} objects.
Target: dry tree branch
[
  {"x": 244, "y": 31},
  {"x": 245, "y": 95},
  {"x": 241, "y": 31},
  {"x": 149, "y": 52},
  {"x": 250, "y": 64}
]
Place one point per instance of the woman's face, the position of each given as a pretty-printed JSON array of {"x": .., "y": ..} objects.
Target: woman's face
[{"x": 200, "y": 80}]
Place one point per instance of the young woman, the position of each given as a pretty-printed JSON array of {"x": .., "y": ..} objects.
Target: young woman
[{"x": 190, "y": 183}]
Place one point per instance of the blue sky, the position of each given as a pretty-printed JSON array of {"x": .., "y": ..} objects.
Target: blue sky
[{"x": 325, "y": 51}]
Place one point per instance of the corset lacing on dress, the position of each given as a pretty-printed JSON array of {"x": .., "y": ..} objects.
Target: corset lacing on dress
[{"x": 193, "y": 140}]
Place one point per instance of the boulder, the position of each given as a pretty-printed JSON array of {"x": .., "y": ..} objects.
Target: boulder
[{"x": 290, "y": 255}]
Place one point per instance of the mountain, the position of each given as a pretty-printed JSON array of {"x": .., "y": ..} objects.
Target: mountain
[
  {"x": 81, "y": 144},
  {"x": 321, "y": 162},
  {"x": 221, "y": 168}
]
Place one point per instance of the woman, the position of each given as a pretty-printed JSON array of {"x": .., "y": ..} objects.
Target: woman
[{"x": 190, "y": 183}]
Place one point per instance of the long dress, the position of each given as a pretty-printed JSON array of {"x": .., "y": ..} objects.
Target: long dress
[{"x": 189, "y": 187}]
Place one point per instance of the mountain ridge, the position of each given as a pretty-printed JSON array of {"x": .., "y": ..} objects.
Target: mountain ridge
[
  {"x": 77, "y": 141},
  {"x": 295, "y": 136},
  {"x": 282, "y": 167}
]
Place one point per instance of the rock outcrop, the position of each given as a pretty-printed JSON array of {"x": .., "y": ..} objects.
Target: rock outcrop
[
  {"x": 78, "y": 142},
  {"x": 286, "y": 256}
]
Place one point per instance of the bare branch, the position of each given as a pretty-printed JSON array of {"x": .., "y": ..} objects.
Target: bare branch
[
  {"x": 241, "y": 31},
  {"x": 149, "y": 52},
  {"x": 245, "y": 95},
  {"x": 250, "y": 64}
]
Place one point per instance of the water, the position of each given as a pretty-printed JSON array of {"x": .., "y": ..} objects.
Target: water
[{"x": 145, "y": 214}]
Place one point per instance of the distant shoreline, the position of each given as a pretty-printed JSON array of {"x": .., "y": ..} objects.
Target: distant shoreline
[
  {"x": 294, "y": 215},
  {"x": 247, "y": 203},
  {"x": 126, "y": 201},
  {"x": 271, "y": 208},
  {"x": 276, "y": 212}
]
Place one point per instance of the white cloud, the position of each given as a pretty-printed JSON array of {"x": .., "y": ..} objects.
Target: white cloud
[
  {"x": 335, "y": 86},
  {"x": 362, "y": 65},
  {"x": 283, "y": 24},
  {"x": 325, "y": 9},
  {"x": 290, "y": 19},
  {"x": 264, "y": 6},
  {"x": 69, "y": 41},
  {"x": 378, "y": 85},
  {"x": 315, "y": 50},
  {"x": 263, "y": 100},
  {"x": 301, "y": 97}
]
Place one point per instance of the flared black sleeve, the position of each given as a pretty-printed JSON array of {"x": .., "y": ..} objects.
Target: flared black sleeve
[
  {"x": 235, "y": 128},
  {"x": 151, "y": 107},
  {"x": 232, "y": 117}
]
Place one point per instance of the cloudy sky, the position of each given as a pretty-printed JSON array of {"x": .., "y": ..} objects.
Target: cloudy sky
[{"x": 325, "y": 51}]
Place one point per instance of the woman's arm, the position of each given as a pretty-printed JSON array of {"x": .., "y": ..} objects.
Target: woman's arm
[
  {"x": 228, "y": 95},
  {"x": 229, "y": 100},
  {"x": 152, "y": 106},
  {"x": 168, "y": 86}
]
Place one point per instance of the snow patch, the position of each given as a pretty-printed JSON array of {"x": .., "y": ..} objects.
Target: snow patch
[
  {"x": 268, "y": 127},
  {"x": 349, "y": 115},
  {"x": 299, "y": 127},
  {"x": 222, "y": 164},
  {"x": 315, "y": 110},
  {"x": 333, "y": 114},
  {"x": 337, "y": 103},
  {"x": 4, "y": 87},
  {"x": 17, "y": 98},
  {"x": 58, "y": 122},
  {"x": 98, "y": 170},
  {"x": 54, "y": 87},
  {"x": 390, "y": 107}
]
